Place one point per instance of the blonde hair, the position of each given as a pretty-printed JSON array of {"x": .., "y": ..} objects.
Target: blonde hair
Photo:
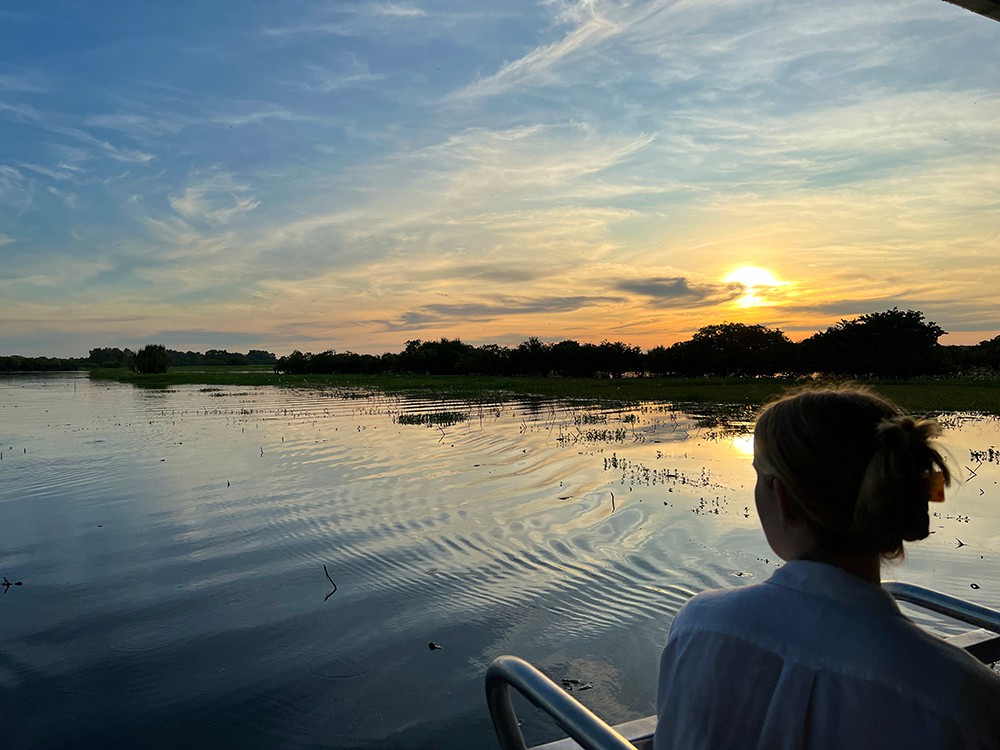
[{"x": 859, "y": 469}]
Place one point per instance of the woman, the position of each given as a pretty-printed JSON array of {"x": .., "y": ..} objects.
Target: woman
[{"x": 819, "y": 656}]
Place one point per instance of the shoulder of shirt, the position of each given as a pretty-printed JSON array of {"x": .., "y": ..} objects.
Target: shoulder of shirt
[
  {"x": 727, "y": 612},
  {"x": 713, "y": 605}
]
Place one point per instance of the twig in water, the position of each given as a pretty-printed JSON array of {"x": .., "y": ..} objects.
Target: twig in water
[
  {"x": 331, "y": 583},
  {"x": 612, "y": 502}
]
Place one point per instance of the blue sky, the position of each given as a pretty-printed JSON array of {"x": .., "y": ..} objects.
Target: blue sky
[{"x": 353, "y": 175}]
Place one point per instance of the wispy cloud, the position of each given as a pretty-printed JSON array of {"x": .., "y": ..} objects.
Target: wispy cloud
[
  {"x": 25, "y": 82},
  {"x": 481, "y": 312},
  {"x": 537, "y": 65},
  {"x": 214, "y": 199},
  {"x": 256, "y": 115},
  {"x": 397, "y": 10},
  {"x": 15, "y": 189},
  {"x": 326, "y": 79},
  {"x": 139, "y": 125},
  {"x": 105, "y": 148},
  {"x": 19, "y": 112}
]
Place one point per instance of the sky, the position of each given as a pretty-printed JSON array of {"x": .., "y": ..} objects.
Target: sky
[{"x": 354, "y": 175}]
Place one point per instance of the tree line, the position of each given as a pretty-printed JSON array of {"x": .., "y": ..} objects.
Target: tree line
[
  {"x": 894, "y": 343},
  {"x": 152, "y": 355}
]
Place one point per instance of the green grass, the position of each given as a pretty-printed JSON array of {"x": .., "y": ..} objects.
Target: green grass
[{"x": 921, "y": 395}]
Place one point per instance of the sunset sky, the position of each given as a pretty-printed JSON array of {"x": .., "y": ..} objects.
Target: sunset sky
[{"x": 351, "y": 175}]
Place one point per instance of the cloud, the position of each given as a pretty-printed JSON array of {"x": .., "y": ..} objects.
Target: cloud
[
  {"x": 15, "y": 189},
  {"x": 139, "y": 125},
  {"x": 397, "y": 10},
  {"x": 482, "y": 312},
  {"x": 5, "y": 240},
  {"x": 537, "y": 65},
  {"x": 325, "y": 80},
  {"x": 215, "y": 199},
  {"x": 26, "y": 83},
  {"x": 20, "y": 112},
  {"x": 118, "y": 153},
  {"x": 63, "y": 172},
  {"x": 351, "y": 21},
  {"x": 70, "y": 200},
  {"x": 677, "y": 291},
  {"x": 270, "y": 112}
]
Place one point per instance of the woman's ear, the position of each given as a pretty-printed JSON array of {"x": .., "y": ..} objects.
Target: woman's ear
[{"x": 786, "y": 506}]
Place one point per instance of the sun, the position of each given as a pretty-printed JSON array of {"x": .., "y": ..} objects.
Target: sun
[{"x": 753, "y": 279}]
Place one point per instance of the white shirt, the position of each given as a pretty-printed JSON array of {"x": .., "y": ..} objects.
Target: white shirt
[{"x": 815, "y": 657}]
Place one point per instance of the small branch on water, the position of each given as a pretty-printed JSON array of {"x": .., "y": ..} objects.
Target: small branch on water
[{"x": 331, "y": 583}]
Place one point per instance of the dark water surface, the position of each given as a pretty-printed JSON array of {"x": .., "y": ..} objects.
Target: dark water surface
[{"x": 171, "y": 546}]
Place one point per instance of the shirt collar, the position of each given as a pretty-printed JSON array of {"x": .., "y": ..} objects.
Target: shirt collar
[{"x": 830, "y": 582}]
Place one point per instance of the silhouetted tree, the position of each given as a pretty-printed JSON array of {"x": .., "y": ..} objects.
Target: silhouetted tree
[
  {"x": 893, "y": 343},
  {"x": 616, "y": 359},
  {"x": 573, "y": 359},
  {"x": 531, "y": 357},
  {"x": 111, "y": 357},
  {"x": 725, "y": 349},
  {"x": 260, "y": 357},
  {"x": 983, "y": 356},
  {"x": 18, "y": 363},
  {"x": 152, "y": 358}
]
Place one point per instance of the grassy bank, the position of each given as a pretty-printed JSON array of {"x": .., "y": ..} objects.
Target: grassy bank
[{"x": 919, "y": 395}]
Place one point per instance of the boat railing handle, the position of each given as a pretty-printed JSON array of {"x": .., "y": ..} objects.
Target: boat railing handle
[
  {"x": 959, "y": 609},
  {"x": 579, "y": 722}
]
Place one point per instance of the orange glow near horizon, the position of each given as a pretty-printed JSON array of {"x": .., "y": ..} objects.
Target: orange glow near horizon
[{"x": 753, "y": 279}]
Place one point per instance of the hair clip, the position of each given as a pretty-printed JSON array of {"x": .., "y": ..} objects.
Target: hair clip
[{"x": 936, "y": 482}]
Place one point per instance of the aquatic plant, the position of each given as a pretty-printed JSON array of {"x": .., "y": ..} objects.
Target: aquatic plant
[{"x": 433, "y": 419}]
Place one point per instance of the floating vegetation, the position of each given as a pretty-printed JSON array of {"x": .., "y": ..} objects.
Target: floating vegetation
[
  {"x": 591, "y": 418},
  {"x": 620, "y": 435},
  {"x": 433, "y": 419},
  {"x": 572, "y": 685},
  {"x": 988, "y": 456},
  {"x": 636, "y": 474}
]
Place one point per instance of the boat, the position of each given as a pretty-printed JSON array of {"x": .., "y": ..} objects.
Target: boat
[{"x": 587, "y": 730}]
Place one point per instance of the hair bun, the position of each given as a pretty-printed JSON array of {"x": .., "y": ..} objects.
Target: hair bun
[{"x": 897, "y": 485}]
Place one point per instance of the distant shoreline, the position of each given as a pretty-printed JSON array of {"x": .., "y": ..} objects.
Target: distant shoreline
[{"x": 922, "y": 395}]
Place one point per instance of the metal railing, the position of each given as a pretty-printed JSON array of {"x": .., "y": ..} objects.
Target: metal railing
[
  {"x": 592, "y": 733},
  {"x": 959, "y": 609},
  {"x": 576, "y": 720}
]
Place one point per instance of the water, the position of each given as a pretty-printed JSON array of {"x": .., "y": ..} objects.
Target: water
[{"x": 171, "y": 546}]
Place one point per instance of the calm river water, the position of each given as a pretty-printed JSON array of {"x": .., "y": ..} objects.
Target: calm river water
[{"x": 171, "y": 547}]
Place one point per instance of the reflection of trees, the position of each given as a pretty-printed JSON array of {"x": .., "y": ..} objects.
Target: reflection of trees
[{"x": 724, "y": 420}]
